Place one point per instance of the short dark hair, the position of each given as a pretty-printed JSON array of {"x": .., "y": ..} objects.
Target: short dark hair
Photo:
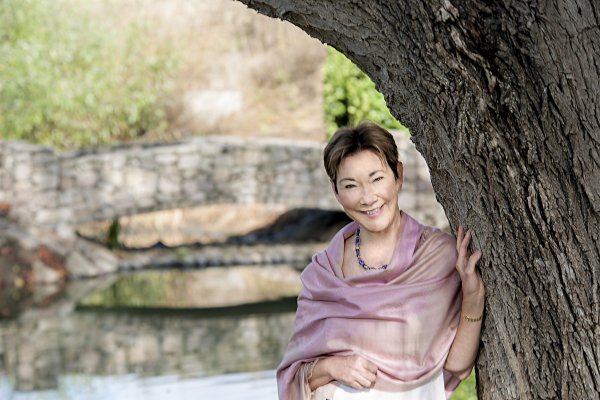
[{"x": 349, "y": 141}]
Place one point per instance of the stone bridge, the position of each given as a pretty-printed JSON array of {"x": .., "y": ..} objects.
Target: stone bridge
[
  {"x": 48, "y": 193},
  {"x": 44, "y": 188},
  {"x": 47, "y": 189}
]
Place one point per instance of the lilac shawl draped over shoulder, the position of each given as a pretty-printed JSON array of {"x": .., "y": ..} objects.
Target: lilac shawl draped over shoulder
[{"x": 403, "y": 319}]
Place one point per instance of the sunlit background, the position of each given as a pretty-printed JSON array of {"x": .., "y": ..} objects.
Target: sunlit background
[{"x": 138, "y": 257}]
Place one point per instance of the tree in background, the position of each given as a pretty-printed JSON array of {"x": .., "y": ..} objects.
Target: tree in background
[
  {"x": 69, "y": 80},
  {"x": 503, "y": 101}
]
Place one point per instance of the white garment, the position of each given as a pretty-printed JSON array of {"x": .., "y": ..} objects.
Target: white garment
[{"x": 432, "y": 390}]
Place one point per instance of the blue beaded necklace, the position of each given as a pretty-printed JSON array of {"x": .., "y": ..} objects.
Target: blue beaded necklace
[{"x": 357, "y": 249}]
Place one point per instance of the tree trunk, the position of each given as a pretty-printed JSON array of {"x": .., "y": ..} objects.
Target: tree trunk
[{"x": 503, "y": 101}]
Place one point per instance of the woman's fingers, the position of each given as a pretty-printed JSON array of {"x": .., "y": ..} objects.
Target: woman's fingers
[
  {"x": 465, "y": 262},
  {"x": 370, "y": 377},
  {"x": 371, "y": 367},
  {"x": 459, "y": 237},
  {"x": 365, "y": 380},
  {"x": 465, "y": 242},
  {"x": 475, "y": 257},
  {"x": 355, "y": 385},
  {"x": 463, "y": 251},
  {"x": 353, "y": 370},
  {"x": 362, "y": 372},
  {"x": 367, "y": 373},
  {"x": 368, "y": 381},
  {"x": 359, "y": 383}
]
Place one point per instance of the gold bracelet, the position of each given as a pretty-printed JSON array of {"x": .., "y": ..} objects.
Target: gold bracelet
[{"x": 472, "y": 319}]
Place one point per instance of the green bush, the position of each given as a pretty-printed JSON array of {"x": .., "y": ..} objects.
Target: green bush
[
  {"x": 350, "y": 96},
  {"x": 70, "y": 80}
]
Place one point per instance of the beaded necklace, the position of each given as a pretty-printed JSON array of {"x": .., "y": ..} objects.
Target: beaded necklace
[{"x": 357, "y": 249}]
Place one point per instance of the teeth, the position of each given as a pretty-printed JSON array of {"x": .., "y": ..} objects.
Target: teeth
[{"x": 372, "y": 211}]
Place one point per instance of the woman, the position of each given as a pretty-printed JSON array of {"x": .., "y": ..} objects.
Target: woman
[{"x": 391, "y": 309}]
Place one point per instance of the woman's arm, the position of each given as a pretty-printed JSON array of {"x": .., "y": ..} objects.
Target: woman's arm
[
  {"x": 353, "y": 371},
  {"x": 463, "y": 351}
]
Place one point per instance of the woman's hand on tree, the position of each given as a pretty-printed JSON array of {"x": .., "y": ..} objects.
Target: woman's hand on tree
[
  {"x": 463, "y": 351},
  {"x": 472, "y": 284},
  {"x": 354, "y": 371}
]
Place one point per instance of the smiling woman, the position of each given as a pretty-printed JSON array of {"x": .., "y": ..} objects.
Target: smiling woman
[
  {"x": 368, "y": 190},
  {"x": 391, "y": 308},
  {"x": 366, "y": 177}
]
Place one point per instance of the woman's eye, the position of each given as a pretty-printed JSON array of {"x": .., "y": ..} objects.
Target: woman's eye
[
  {"x": 348, "y": 186},
  {"x": 378, "y": 178}
]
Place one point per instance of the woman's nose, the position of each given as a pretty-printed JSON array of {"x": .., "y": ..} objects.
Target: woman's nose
[{"x": 368, "y": 196}]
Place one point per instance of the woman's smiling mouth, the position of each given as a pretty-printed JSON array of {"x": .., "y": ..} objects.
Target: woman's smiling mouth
[{"x": 373, "y": 213}]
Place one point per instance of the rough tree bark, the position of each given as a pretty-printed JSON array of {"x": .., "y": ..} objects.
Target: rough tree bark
[{"x": 503, "y": 100}]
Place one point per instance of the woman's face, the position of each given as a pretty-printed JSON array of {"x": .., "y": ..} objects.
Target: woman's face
[{"x": 368, "y": 190}]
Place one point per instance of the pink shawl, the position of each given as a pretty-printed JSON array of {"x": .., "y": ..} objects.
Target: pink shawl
[{"x": 403, "y": 319}]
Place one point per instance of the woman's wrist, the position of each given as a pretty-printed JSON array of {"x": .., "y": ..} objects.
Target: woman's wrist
[
  {"x": 318, "y": 373},
  {"x": 321, "y": 368},
  {"x": 473, "y": 305}
]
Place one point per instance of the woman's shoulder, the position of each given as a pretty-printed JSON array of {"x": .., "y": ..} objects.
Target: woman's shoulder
[
  {"x": 438, "y": 247},
  {"x": 332, "y": 255},
  {"x": 435, "y": 238}
]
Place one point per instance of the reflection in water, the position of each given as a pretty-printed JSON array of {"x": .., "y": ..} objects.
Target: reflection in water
[
  {"x": 211, "y": 287},
  {"x": 92, "y": 352}
]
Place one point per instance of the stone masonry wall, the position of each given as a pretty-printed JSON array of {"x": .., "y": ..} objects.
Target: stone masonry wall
[{"x": 46, "y": 189}]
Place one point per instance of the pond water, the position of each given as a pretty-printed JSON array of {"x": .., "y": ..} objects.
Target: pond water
[{"x": 215, "y": 333}]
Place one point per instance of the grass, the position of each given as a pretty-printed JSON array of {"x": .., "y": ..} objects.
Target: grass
[{"x": 466, "y": 390}]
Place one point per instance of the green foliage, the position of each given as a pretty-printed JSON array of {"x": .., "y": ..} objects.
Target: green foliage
[
  {"x": 466, "y": 390},
  {"x": 350, "y": 96},
  {"x": 69, "y": 80}
]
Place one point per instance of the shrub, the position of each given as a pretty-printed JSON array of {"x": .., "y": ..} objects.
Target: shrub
[
  {"x": 350, "y": 96},
  {"x": 69, "y": 80}
]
